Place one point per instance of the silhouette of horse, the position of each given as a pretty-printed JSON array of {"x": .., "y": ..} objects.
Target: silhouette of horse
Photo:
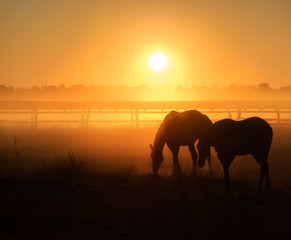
[
  {"x": 179, "y": 129},
  {"x": 230, "y": 138}
]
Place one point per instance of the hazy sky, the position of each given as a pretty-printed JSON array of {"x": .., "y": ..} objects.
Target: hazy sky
[{"x": 108, "y": 42}]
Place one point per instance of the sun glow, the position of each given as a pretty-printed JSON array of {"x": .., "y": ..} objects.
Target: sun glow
[
  {"x": 158, "y": 62},
  {"x": 159, "y": 66}
]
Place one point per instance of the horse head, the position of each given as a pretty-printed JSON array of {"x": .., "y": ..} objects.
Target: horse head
[
  {"x": 203, "y": 150},
  {"x": 157, "y": 157}
]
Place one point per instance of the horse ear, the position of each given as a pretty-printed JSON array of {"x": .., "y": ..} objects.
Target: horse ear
[{"x": 151, "y": 146}]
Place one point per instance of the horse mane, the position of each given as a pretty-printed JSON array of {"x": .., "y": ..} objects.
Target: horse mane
[{"x": 160, "y": 138}]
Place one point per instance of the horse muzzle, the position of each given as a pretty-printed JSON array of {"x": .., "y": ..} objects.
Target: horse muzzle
[{"x": 201, "y": 164}]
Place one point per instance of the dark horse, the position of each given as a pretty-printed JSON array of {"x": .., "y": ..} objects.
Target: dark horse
[
  {"x": 179, "y": 129},
  {"x": 230, "y": 138}
]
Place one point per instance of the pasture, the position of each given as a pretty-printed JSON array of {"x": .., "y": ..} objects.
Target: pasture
[{"x": 97, "y": 184}]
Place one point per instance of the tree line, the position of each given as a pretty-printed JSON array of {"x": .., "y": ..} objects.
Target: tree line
[{"x": 262, "y": 91}]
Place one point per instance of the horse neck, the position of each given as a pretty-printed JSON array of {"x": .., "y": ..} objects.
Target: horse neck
[
  {"x": 207, "y": 138},
  {"x": 160, "y": 140},
  {"x": 213, "y": 136}
]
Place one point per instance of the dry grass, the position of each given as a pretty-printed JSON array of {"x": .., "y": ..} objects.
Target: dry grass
[
  {"x": 62, "y": 202},
  {"x": 75, "y": 196}
]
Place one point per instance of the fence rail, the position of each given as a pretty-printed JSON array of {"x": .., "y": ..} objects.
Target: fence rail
[{"x": 135, "y": 113}]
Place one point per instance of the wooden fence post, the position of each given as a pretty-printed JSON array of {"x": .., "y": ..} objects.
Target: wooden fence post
[
  {"x": 278, "y": 116},
  {"x": 35, "y": 118},
  {"x": 229, "y": 114},
  {"x": 32, "y": 119},
  {"x": 239, "y": 114},
  {"x": 88, "y": 118},
  {"x": 136, "y": 119},
  {"x": 83, "y": 118},
  {"x": 131, "y": 118}
]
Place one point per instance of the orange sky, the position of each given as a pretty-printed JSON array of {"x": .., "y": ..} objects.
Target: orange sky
[{"x": 108, "y": 42}]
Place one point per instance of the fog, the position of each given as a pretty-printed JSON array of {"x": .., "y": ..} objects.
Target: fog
[
  {"x": 127, "y": 150},
  {"x": 232, "y": 92},
  {"x": 74, "y": 179},
  {"x": 109, "y": 129}
]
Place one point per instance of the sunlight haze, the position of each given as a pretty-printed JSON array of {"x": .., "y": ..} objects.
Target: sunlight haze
[
  {"x": 207, "y": 43},
  {"x": 158, "y": 62}
]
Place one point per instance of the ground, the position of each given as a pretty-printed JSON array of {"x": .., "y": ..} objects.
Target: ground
[
  {"x": 70, "y": 197},
  {"x": 124, "y": 206}
]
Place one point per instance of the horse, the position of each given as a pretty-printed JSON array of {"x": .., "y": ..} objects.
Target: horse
[
  {"x": 231, "y": 138},
  {"x": 179, "y": 129}
]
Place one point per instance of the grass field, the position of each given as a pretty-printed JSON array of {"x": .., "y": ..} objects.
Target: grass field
[{"x": 77, "y": 184}]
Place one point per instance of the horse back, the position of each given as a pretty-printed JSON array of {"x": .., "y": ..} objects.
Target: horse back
[
  {"x": 242, "y": 137},
  {"x": 187, "y": 126}
]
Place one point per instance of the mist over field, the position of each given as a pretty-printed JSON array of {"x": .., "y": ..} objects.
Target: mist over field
[
  {"x": 126, "y": 149},
  {"x": 99, "y": 182},
  {"x": 75, "y": 162},
  {"x": 232, "y": 92}
]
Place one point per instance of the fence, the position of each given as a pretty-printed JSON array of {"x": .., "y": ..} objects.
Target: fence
[{"x": 134, "y": 113}]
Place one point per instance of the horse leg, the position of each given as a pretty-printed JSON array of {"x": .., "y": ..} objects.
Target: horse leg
[
  {"x": 267, "y": 177},
  {"x": 194, "y": 157},
  {"x": 209, "y": 165},
  {"x": 226, "y": 178},
  {"x": 175, "y": 150},
  {"x": 225, "y": 161},
  {"x": 264, "y": 173}
]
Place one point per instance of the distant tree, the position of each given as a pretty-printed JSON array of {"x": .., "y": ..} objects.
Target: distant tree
[
  {"x": 6, "y": 90},
  {"x": 62, "y": 87},
  {"x": 286, "y": 88},
  {"x": 35, "y": 88},
  {"x": 264, "y": 86}
]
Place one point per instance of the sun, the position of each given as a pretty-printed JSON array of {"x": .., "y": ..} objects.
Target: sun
[{"x": 158, "y": 62}]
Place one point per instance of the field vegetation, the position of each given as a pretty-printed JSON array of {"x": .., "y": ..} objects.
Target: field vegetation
[{"x": 97, "y": 184}]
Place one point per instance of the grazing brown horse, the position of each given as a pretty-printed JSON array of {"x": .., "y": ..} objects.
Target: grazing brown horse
[
  {"x": 179, "y": 129},
  {"x": 230, "y": 138}
]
